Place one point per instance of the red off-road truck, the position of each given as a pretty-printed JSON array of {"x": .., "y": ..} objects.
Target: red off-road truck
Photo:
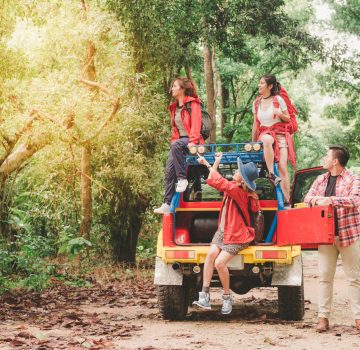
[{"x": 276, "y": 261}]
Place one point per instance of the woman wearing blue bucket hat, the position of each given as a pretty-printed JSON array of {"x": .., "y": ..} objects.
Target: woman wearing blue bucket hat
[{"x": 233, "y": 233}]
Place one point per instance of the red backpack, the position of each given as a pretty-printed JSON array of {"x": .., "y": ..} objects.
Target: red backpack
[{"x": 292, "y": 126}]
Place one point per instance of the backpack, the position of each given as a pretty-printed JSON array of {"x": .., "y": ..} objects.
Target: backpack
[
  {"x": 292, "y": 126},
  {"x": 256, "y": 222},
  {"x": 205, "y": 119}
]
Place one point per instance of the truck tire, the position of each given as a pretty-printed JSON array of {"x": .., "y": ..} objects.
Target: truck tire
[
  {"x": 173, "y": 302},
  {"x": 291, "y": 302}
]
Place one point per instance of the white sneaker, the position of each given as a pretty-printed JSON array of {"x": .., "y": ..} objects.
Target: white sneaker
[
  {"x": 204, "y": 301},
  {"x": 181, "y": 185},
  {"x": 164, "y": 209},
  {"x": 227, "y": 304}
]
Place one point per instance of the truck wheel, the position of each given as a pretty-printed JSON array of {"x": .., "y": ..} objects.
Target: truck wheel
[
  {"x": 173, "y": 302},
  {"x": 291, "y": 302}
]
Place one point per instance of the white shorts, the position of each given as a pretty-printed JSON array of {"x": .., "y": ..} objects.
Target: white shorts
[{"x": 281, "y": 141}]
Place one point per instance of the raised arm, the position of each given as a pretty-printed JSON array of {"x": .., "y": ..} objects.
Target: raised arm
[
  {"x": 212, "y": 168},
  {"x": 219, "y": 183}
]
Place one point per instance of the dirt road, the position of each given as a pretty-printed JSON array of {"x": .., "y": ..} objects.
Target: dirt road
[{"x": 119, "y": 317}]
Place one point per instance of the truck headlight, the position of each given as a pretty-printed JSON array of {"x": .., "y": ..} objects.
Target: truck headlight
[
  {"x": 248, "y": 147},
  {"x": 256, "y": 147}
]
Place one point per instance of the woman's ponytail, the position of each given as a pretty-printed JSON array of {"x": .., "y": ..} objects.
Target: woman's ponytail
[{"x": 276, "y": 89}]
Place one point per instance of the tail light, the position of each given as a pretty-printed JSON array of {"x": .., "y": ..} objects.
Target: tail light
[
  {"x": 180, "y": 254},
  {"x": 271, "y": 254}
]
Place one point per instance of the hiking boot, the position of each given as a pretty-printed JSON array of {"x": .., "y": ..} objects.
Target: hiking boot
[
  {"x": 274, "y": 179},
  {"x": 323, "y": 325},
  {"x": 164, "y": 209},
  {"x": 181, "y": 185},
  {"x": 227, "y": 304},
  {"x": 204, "y": 301}
]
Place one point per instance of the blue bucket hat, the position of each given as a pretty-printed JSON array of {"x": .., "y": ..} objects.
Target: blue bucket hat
[{"x": 248, "y": 172}]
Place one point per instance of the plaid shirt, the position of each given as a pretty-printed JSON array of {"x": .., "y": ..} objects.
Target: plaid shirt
[{"x": 347, "y": 202}]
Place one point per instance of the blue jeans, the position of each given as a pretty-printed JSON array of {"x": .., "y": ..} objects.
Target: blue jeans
[{"x": 175, "y": 168}]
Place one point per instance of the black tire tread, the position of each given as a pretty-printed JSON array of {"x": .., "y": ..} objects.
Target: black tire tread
[
  {"x": 291, "y": 302},
  {"x": 173, "y": 302}
]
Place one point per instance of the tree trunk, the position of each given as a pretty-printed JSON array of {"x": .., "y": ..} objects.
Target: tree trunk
[
  {"x": 210, "y": 90},
  {"x": 138, "y": 55},
  {"x": 224, "y": 104},
  {"x": 188, "y": 71},
  {"x": 86, "y": 191},
  {"x": 125, "y": 224}
]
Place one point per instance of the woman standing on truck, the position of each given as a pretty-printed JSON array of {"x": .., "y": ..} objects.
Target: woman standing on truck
[
  {"x": 268, "y": 127},
  {"x": 233, "y": 233},
  {"x": 185, "y": 116}
]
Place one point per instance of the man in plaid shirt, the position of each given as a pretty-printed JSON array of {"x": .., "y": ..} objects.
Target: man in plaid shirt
[{"x": 340, "y": 188}]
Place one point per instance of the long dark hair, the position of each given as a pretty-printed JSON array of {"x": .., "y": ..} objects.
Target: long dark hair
[
  {"x": 271, "y": 80},
  {"x": 190, "y": 88}
]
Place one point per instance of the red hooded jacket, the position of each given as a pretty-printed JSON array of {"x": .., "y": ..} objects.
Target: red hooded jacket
[
  {"x": 192, "y": 124},
  {"x": 235, "y": 229}
]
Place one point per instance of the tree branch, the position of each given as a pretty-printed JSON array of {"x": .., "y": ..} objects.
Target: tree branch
[
  {"x": 19, "y": 156},
  {"x": 116, "y": 106},
  {"x": 54, "y": 121},
  {"x": 99, "y": 86},
  {"x": 11, "y": 142}
]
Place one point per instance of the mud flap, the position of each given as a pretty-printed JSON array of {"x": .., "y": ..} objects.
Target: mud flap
[
  {"x": 288, "y": 275},
  {"x": 165, "y": 275}
]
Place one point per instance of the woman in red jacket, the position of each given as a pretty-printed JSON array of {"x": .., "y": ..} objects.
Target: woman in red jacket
[
  {"x": 270, "y": 128},
  {"x": 233, "y": 233},
  {"x": 185, "y": 134}
]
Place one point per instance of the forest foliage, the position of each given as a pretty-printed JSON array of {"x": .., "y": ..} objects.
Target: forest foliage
[{"x": 84, "y": 127}]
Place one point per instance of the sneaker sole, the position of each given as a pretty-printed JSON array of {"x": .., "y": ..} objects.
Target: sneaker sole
[
  {"x": 161, "y": 213},
  {"x": 226, "y": 313},
  {"x": 201, "y": 306}
]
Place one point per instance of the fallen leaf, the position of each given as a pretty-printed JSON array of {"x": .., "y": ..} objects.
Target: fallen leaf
[
  {"x": 17, "y": 342},
  {"x": 25, "y": 335},
  {"x": 267, "y": 340},
  {"x": 39, "y": 335}
]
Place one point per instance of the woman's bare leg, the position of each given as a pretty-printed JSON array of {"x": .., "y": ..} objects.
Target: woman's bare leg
[
  {"x": 222, "y": 269},
  {"x": 284, "y": 173},
  {"x": 268, "y": 142},
  {"x": 214, "y": 251}
]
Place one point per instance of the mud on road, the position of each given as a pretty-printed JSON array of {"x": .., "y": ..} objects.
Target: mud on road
[{"x": 124, "y": 315}]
